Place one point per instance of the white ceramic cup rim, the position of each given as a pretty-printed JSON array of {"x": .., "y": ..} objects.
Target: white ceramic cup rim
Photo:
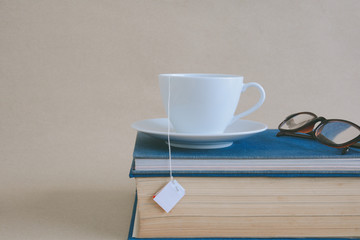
[{"x": 201, "y": 75}]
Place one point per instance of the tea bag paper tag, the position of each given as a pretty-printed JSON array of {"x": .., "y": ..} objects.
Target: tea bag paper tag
[{"x": 169, "y": 195}]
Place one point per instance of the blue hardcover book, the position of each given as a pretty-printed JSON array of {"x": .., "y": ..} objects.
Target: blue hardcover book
[
  {"x": 133, "y": 235},
  {"x": 262, "y": 154}
]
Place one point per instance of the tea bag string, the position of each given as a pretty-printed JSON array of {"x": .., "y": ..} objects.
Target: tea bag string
[{"x": 168, "y": 133}]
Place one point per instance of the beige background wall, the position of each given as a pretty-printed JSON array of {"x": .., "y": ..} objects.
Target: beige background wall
[{"x": 75, "y": 74}]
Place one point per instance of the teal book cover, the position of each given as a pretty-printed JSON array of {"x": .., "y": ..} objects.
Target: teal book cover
[{"x": 264, "y": 146}]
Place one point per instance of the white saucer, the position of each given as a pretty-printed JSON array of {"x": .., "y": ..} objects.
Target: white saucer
[{"x": 240, "y": 129}]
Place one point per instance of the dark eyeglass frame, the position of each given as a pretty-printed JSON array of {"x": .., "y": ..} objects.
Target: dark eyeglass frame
[{"x": 313, "y": 133}]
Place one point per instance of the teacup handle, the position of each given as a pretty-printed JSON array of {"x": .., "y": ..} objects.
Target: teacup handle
[{"x": 256, "y": 106}]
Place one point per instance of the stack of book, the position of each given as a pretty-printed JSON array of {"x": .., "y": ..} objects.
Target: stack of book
[{"x": 261, "y": 187}]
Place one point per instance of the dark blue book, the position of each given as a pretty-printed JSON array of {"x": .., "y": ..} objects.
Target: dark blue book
[
  {"x": 134, "y": 228},
  {"x": 262, "y": 154}
]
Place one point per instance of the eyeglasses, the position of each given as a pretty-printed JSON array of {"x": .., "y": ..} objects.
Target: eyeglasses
[{"x": 336, "y": 133}]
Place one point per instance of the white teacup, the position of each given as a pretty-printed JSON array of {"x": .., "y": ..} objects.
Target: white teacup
[{"x": 204, "y": 103}]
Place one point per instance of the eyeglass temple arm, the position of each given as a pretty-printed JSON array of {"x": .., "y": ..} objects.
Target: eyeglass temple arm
[
  {"x": 283, "y": 133},
  {"x": 356, "y": 145}
]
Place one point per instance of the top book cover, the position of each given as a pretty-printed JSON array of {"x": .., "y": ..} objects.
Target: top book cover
[
  {"x": 261, "y": 145},
  {"x": 264, "y": 146}
]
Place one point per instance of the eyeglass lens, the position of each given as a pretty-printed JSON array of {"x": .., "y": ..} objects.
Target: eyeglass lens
[
  {"x": 337, "y": 132},
  {"x": 297, "y": 121}
]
